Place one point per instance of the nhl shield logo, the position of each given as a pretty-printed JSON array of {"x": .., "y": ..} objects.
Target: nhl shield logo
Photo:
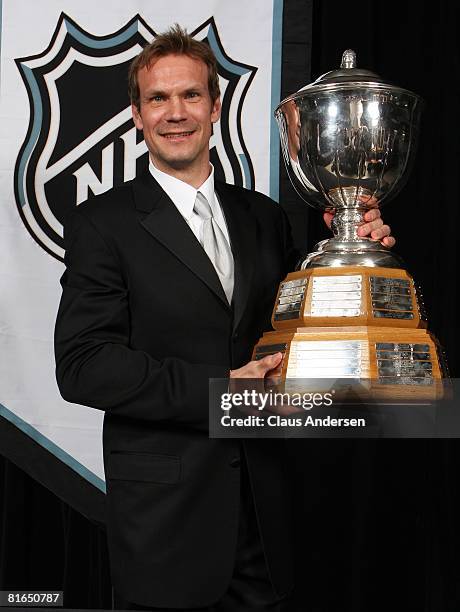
[{"x": 81, "y": 140}]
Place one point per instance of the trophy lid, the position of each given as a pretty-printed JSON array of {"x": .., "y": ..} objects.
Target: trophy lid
[{"x": 348, "y": 75}]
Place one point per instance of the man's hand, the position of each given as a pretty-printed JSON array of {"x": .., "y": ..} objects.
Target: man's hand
[
  {"x": 267, "y": 370},
  {"x": 374, "y": 226},
  {"x": 258, "y": 369}
]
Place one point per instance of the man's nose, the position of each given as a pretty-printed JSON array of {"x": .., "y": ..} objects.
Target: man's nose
[{"x": 176, "y": 109}]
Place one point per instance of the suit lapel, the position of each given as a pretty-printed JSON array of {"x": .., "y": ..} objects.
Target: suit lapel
[
  {"x": 243, "y": 237},
  {"x": 165, "y": 223}
]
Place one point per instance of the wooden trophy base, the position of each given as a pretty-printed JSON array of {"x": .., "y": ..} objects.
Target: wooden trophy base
[{"x": 358, "y": 323}]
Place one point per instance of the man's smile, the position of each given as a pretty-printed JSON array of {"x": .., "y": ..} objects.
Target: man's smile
[{"x": 177, "y": 135}]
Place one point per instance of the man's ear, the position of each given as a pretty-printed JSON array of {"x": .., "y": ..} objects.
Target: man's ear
[
  {"x": 137, "y": 117},
  {"x": 215, "y": 111}
]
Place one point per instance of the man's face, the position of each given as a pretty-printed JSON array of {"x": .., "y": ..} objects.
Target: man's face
[{"x": 176, "y": 113}]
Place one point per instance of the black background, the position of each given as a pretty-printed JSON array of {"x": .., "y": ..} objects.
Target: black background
[{"x": 376, "y": 520}]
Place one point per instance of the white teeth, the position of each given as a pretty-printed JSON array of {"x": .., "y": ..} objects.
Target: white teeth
[{"x": 176, "y": 135}]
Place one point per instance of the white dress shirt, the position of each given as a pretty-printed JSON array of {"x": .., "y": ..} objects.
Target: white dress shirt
[{"x": 184, "y": 195}]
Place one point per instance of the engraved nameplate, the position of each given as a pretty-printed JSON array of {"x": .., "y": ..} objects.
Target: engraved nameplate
[
  {"x": 395, "y": 285},
  {"x": 336, "y": 296},
  {"x": 404, "y": 363},
  {"x": 391, "y": 302},
  {"x": 290, "y": 299},
  {"x": 419, "y": 356},
  {"x": 391, "y": 298},
  {"x": 325, "y": 359},
  {"x": 335, "y": 312},
  {"x": 387, "y": 314}
]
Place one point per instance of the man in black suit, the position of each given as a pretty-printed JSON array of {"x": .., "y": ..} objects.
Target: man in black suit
[{"x": 170, "y": 281}]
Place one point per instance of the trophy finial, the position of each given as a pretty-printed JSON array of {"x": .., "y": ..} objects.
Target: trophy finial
[{"x": 348, "y": 59}]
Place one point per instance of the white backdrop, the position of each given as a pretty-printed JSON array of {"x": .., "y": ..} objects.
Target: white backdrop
[{"x": 250, "y": 33}]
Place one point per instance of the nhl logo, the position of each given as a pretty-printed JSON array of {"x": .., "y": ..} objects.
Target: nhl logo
[{"x": 81, "y": 140}]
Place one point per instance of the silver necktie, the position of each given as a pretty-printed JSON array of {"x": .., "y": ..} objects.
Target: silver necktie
[{"x": 216, "y": 245}]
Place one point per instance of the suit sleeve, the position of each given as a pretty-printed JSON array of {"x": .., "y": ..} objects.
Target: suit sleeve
[
  {"x": 95, "y": 365},
  {"x": 291, "y": 254}
]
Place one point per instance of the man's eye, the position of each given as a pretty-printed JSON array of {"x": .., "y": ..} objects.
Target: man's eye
[
  {"x": 192, "y": 94},
  {"x": 157, "y": 98}
]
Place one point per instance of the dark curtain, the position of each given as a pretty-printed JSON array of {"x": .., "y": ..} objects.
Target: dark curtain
[
  {"x": 45, "y": 544},
  {"x": 375, "y": 520}
]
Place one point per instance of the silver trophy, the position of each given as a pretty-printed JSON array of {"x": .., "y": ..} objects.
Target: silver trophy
[
  {"x": 348, "y": 142},
  {"x": 351, "y": 310}
]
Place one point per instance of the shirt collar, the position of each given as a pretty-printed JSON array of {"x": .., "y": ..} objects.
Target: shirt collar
[{"x": 182, "y": 194}]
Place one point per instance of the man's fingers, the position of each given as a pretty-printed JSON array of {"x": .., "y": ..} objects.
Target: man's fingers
[
  {"x": 373, "y": 225},
  {"x": 389, "y": 241},
  {"x": 258, "y": 369},
  {"x": 270, "y": 362},
  {"x": 371, "y": 202},
  {"x": 372, "y": 214},
  {"x": 381, "y": 232},
  {"x": 376, "y": 229},
  {"x": 366, "y": 228},
  {"x": 328, "y": 216}
]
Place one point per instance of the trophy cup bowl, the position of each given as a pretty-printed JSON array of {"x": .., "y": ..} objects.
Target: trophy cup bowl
[
  {"x": 351, "y": 310},
  {"x": 348, "y": 142}
]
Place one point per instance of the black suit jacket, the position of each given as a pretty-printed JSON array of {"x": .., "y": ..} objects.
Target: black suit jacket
[{"x": 142, "y": 326}]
